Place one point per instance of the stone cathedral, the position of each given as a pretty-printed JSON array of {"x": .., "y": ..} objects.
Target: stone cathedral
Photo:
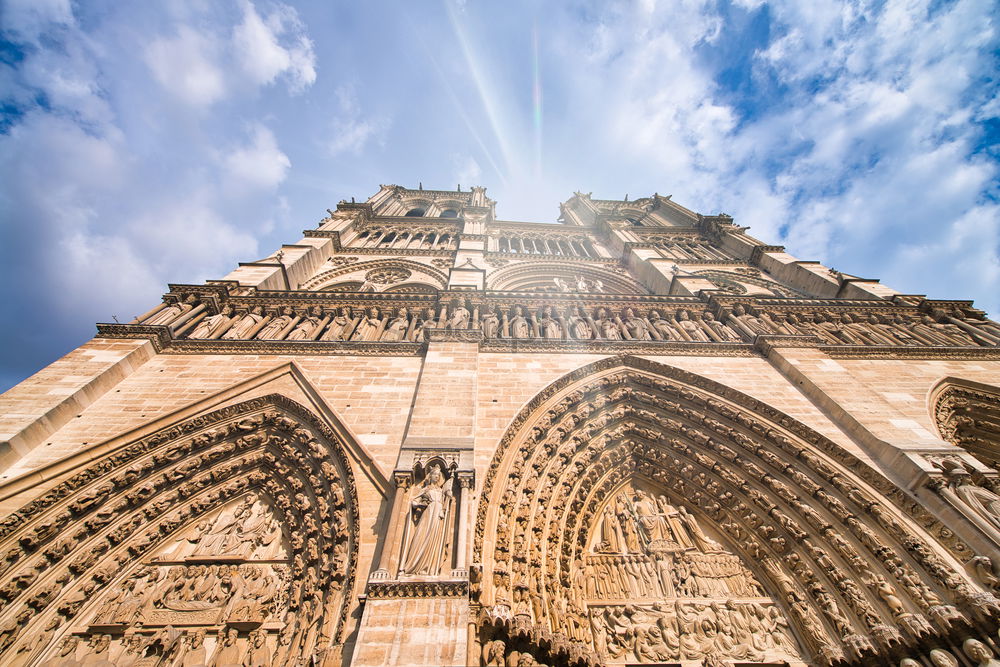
[{"x": 421, "y": 435}]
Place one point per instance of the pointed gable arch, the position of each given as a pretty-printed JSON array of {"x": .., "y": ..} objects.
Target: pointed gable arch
[
  {"x": 967, "y": 414},
  {"x": 78, "y": 552},
  {"x": 805, "y": 517}
]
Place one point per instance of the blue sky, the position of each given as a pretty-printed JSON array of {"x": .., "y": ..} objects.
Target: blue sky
[{"x": 146, "y": 143}]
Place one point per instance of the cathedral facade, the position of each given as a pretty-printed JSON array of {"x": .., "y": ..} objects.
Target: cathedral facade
[{"x": 424, "y": 436}]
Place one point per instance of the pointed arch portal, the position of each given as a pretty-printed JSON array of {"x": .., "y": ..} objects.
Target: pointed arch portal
[
  {"x": 635, "y": 513},
  {"x": 228, "y": 536}
]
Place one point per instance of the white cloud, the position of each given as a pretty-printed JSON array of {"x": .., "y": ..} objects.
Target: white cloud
[
  {"x": 467, "y": 170},
  {"x": 352, "y": 132},
  {"x": 186, "y": 65},
  {"x": 260, "y": 164},
  {"x": 259, "y": 49}
]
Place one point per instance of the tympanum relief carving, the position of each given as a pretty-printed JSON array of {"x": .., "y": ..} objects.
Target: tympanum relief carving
[{"x": 660, "y": 587}]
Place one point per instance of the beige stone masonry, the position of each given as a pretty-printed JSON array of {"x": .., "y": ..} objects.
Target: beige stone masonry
[{"x": 46, "y": 401}]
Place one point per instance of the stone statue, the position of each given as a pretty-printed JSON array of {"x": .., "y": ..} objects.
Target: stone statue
[
  {"x": 338, "y": 325},
  {"x": 397, "y": 327},
  {"x": 65, "y": 656},
  {"x": 578, "y": 326},
  {"x": 35, "y": 644},
  {"x": 195, "y": 654},
  {"x": 210, "y": 324},
  {"x": 100, "y": 651},
  {"x": 258, "y": 655},
  {"x": 459, "y": 316},
  {"x": 635, "y": 327},
  {"x": 273, "y": 328},
  {"x": 548, "y": 326},
  {"x": 430, "y": 511},
  {"x": 306, "y": 327},
  {"x": 941, "y": 658},
  {"x": 662, "y": 326},
  {"x": 607, "y": 327},
  {"x": 368, "y": 326},
  {"x": 490, "y": 323},
  {"x": 724, "y": 333},
  {"x": 242, "y": 329},
  {"x": 690, "y": 327},
  {"x": 173, "y": 311},
  {"x": 519, "y": 327},
  {"x": 979, "y": 653},
  {"x": 227, "y": 652}
]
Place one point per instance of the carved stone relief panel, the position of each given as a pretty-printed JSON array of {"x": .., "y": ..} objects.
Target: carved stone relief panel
[{"x": 660, "y": 586}]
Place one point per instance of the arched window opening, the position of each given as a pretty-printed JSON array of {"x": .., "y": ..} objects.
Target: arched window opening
[
  {"x": 447, "y": 213},
  {"x": 415, "y": 213}
]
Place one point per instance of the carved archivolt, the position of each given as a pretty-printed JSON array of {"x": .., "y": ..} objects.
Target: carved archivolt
[
  {"x": 399, "y": 267},
  {"x": 546, "y": 277},
  {"x": 968, "y": 415},
  {"x": 229, "y": 538},
  {"x": 798, "y": 524}
]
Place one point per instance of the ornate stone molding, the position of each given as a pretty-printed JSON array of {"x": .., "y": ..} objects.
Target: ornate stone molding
[
  {"x": 349, "y": 348},
  {"x": 453, "y": 335},
  {"x": 417, "y": 589},
  {"x": 545, "y": 346}
]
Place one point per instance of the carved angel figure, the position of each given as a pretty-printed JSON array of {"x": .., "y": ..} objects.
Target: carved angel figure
[{"x": 429, "y": 508}]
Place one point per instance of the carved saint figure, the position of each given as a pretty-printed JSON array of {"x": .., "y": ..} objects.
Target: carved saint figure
[
  {"x": 459, "y": 317},
  {"x": 307, "y": 325},
  {"x": 578, "y": 326},
  {"x": 691, "y": 327},
  {"x": 635, "y": 327},
  {"x": 724, "y": 333},
  {"x": 397, "y": 327},
  {"x": 662, "y": 326},
  {"x": 173, "y": 311},
  {"x": 548, "y": 326},
  {"x": 607, "y": 327},
  {"x": 227, "y": 653},
  {"x": 211, "y": 324},
  {"x": 979, "y": 653},
  {"x": 368, "y": 325},
  {"x": 243, "y": 328},
  {"x": 338, "y": 325},
  {"x": 519, "y": 327},
  {"x": 273, "y": 328},
  {"x": 429, "y": 508},
  {"x": 490, "y": 324}
]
